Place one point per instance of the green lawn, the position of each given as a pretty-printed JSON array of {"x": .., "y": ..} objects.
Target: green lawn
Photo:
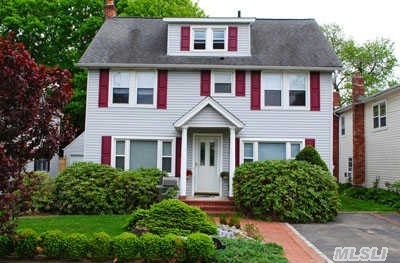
[
  {"x": 85, "y": 224},
  {"x": 350, "y": 204}
]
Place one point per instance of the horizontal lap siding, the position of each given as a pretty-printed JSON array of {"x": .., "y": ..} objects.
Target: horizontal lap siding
[
  {"x": 184, "y": 94},
  {"x": 383, "y": 147}
]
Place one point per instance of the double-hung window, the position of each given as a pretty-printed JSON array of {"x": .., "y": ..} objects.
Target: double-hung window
[
  {"x": 218, "y": 38},
  {"x": 209, "y": 38},
  {"x": 120, "y": 155},
  {"x": 284, "y": 90},
  {"x": 248, "y": 152},
  {"x": 120, "y": 87},
  {"x": 223, "y": 83},
  {"x": 200, "y": 37},
  {"x": 167, "y": 156},
  {"x": 145, "y": 86},
  {"x": 294, "y": 150},
  {"x": 379, "y": 115}
]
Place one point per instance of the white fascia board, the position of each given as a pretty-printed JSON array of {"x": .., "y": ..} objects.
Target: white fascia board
[{"x": 212, "y": 20}]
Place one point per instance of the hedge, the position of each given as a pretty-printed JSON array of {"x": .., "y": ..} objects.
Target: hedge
[{"x": 286, "y": 190}]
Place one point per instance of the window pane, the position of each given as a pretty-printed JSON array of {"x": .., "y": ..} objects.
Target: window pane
[
  {"x": 144, "y": 96},
  {"x": 272, "y": 81},
  {"x": 166, "y": 148},
  {"x": 199, "y": 39},
  {"x": 145, "y": 80},
  {"x": 223, "y": 88},
  {"x": 202, "y": 153},
  {"x": 218, "y": 39},
  {"x": 120, "y": 148},
  {"x": 212, "y": 153},
  {"x": 272, "y": 98},
  {"x": 376, "y": 122},
  {"x": 120, "y": 79},
  {"x": 143, "y": 154},
  {"x": 248, "y": 150},
  {"x": 166, "y": 164},
  {"x": 247, "y": 160},
  {"x": 383, "y": 121},
  {"x": 120, "y": 162},
  {"x": 297, "y": 81},
  {"x": 383, "y": 109},
  {"x": 271, "y": 151},
  {"x": 295, "y": 149},
  {"x": 120, "y": 95},
  {"x": 376, "y": 110},
  {"x": 222, "y": 82},
  {"x": 297, "y": 98}
]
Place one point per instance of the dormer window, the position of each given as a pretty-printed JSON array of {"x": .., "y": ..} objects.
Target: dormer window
[{"x": 209, "y": 38}]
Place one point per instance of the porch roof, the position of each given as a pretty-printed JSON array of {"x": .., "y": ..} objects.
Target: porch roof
[{"x": 208, "y": 101}]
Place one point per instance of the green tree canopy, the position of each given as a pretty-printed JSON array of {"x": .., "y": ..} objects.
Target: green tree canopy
[
  {"x": 57, "y": 32},
  {"x": 374, "y": 60}
]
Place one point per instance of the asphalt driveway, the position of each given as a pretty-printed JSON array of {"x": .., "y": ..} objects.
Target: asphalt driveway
[{"x": 356, "y": 230}]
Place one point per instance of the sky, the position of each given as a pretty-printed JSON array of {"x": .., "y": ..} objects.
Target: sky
[{"x": 361, "y": 20}]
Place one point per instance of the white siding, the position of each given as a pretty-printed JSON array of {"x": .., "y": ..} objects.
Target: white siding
[
  {"x": 345, "y": 145},
  {"x": 74, "y": 150},
  {"x": 383, "y": 146},
  {"x": 53, "y": 171},
  {"x": 210, "y": 118},
  {"x": 174, "y": 43},
  {"x": 184, "y": 94}
]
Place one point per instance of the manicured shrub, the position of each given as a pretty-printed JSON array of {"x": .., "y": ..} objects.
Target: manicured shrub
[
  {"x": 125, "y": 246},
  {"x": 311, "y": 155},
  {"x": 100, "y": 247},
  {"x": 77, "y": 246},
  {"x": 150, "y": 246},
  {"x": 25, "y": 244},
  {"x": 89, "y": 188},
  {"x": 294, "y": 191},
  {"x": 243, "y": 251},
  {"x": 172, "y": 217},
  {"x": 5, "y": 246},
  {"x": 199, "y": 248},
  {"x": 172, "y": 248},
  {"x": 43, "y": 194},
  {"x": 53, "y": 243}
]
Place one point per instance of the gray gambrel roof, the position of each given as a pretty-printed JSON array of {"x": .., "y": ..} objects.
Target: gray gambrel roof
[{"x": 275, "y": 43}]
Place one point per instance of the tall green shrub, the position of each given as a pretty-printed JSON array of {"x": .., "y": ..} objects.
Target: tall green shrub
[
  {"x": 311, "y": 155},
  {"x": 172, "y": 217},
  {"x": 294, "y": 191},
  {"x": 43, "y": 194}
]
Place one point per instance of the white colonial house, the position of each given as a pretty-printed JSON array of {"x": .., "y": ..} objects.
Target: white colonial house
[{"x": 199, "y": 96}]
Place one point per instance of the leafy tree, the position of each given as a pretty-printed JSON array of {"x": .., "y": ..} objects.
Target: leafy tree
[
  {"x": 374, "y": 60},
  {"x": 31, "y": 99}
]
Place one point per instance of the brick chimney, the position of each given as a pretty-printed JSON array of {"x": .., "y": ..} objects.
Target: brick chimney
[
  {"x": 335, "y": 149},
  {"x": 358, "y": 130},
  {"x": 110, "y": 10}
]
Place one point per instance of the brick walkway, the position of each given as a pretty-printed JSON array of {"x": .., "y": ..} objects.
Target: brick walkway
[{"x": 295, "y": 249}]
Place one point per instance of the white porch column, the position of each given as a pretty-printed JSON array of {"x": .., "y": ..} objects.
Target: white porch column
[
  {"x": 182, "y": 187},
  {"x": 232, "y": 152}
]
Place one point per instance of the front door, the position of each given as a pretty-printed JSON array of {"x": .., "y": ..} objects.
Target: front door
[{"x": 206, "y": 162}]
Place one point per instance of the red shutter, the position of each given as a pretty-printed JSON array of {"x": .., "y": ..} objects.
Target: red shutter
[
  {"x": 315, "y": 91},
  {"x": 310, "y": 142},
  {"x": 205, "y": 83},
  {"x": 106, "y": 150},
  {"x": 178, "y": 149},
  {"x": 237, "y": 152},
  {"x": 162, "y": 84},
  {"x": 185, "y": 38},
  {"x": 240, "y": 83},
  {"x": 232, "y": 38},
  {"x": 103, "y": 88},
  {"x": 255, "y": 90}
]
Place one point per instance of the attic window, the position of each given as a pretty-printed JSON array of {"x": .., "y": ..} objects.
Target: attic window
[
  {"x": 209, "y": 38},
  {"x": 199, "y": 39},
  {"x": 218, "y": 39}
]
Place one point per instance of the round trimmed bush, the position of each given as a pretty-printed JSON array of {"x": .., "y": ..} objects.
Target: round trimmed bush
[
  {"x": 311, "y": 155},
  {"x": 77, "y": 246},
  {"x": 150, "y": 247},
  {"x": 25, "y": 243},
  {"x": 199, "y": 248},
  {"x": 53, "y": 243},
  {"x": 172, "y": 248},
  {"x": 125, "y": 246},
  {"x": 172, "y": 217},
  {"x": 100, "y": 247},
  {"x": 293, "y": 191}
]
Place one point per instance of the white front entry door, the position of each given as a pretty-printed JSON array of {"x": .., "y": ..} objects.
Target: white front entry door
[{"x": 206, "y": 162}]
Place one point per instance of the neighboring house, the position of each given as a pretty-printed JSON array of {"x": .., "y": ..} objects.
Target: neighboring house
[
  {"x": 44, "y": 165},
  {"x": 199, "y": 96},
  {"x": 368, "y": 137},
  {"x": 73, "y": 152}
]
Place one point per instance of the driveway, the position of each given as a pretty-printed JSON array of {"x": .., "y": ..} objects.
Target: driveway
[{"x": 356, "y": 230}]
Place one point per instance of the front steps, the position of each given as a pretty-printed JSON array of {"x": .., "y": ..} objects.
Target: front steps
[{"x": 212, "y": 206}]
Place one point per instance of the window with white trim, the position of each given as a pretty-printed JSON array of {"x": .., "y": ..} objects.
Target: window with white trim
[
  {"x": 342, "y": 125},
  {"x": 223, "y": 83},
  {"x": 260, "y": 150},
  {"x": 41, "y": 165},
  {"x": 285, "y": 90},
  {"x": 132, "y": 154},
  {"x": 349, "y": 171},
  {"x": 209, "y": 38},
  {"x": 133, "y": 88},
  {"x": 379, "y": 115}
]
